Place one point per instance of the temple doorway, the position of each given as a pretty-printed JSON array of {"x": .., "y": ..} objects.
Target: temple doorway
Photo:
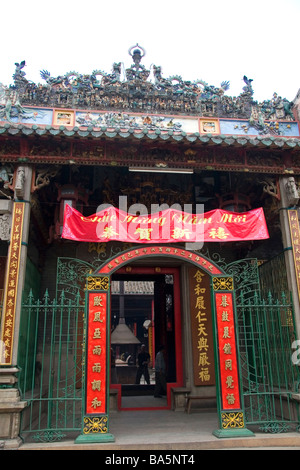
[{"x": 145, "y": 314}]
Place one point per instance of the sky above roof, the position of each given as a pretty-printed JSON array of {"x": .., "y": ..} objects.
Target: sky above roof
[{"x": 213, "y": 41}]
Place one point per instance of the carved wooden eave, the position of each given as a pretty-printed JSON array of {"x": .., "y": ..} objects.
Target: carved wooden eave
[{"x": 146, "y": 148}]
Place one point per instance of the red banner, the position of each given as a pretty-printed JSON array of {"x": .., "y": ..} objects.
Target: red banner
[{"x": 168, "y": 226}]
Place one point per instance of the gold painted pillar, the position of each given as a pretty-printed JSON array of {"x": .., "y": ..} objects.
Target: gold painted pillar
[
  {"x": 10, "y": 400},
  {"x": 289, "y": 222}
]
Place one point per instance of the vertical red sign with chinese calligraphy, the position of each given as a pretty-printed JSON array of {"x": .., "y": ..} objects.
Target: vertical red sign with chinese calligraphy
[
  {"x": 228, "y": 364},
  {"x": 201, "y": 328},
  {"x": 96, "y": 370},
  {"x": 11, "y": 286}
]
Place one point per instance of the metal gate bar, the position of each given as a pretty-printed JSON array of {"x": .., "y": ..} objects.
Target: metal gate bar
[
  {"x": 270, "y": 379},
  {"x": 51, "y": 374}
]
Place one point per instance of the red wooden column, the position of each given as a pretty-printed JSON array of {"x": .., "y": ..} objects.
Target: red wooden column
[
  {"x": 229, "y": 392},
  {"x": 95, "y": 427}
]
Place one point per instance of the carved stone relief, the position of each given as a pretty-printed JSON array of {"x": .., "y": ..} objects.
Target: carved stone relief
[{"x": 5, "y": 225}]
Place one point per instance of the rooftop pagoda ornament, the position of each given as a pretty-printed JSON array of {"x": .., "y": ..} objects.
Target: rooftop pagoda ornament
[{"x": 137, "y": 71}]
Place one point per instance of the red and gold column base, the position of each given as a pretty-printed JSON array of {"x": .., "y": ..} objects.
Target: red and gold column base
[{"x": 95, "y": 430}]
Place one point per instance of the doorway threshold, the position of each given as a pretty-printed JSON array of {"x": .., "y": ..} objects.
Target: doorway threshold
[{"x": 143, "y": 402}]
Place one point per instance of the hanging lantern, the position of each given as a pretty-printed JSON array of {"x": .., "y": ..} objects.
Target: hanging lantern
[
  {"x": 73, "y": 196},
  {"x": 234, "y": 202}
]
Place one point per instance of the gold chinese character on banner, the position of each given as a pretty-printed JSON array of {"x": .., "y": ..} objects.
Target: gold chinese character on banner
[
  {"x": 199, "y": 276},
  {"x": 98, "y": 317},
  {"x": 224, "y": 302},
  {"x": 225, "y": 316},
  {"x": 98, "y": 301},
  {"x": 227, "y": 348},
  {"x": 229, "y": 381},
  {"x": 203, "y": 359},
  {"x": 96, "y": 403},
  {"x": 204, "y": 375},
  {"x": 97, "y": 333},
  {"x": 96, "y": 385},
  {"x": 226, "y": 332},
  {"x": 202, "y": 344},
  {"x": 97, "y": 350},
  {"x": 200, "y": 302},
  {"x": 96, "y": 367},
  {"x": 201, "y": 330},
  {"x": 230, "y": 399}
]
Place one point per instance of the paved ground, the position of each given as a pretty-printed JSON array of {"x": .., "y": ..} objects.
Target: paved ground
[{"x": 169, "y": 430}]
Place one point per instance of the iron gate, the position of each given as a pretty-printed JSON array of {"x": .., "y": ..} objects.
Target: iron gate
[
  {"x": 51, "y": 369},
  {"x": 266, "y": 332},
  {"x": 270, "y": 380},
  {"x": 51, "y": 365}
]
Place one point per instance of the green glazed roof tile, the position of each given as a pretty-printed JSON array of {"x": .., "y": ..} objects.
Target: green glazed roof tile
[{"x": 138, "y": 133}]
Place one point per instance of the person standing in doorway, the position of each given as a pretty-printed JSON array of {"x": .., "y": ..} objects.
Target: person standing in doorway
[
  {"x": 160, "y": 374},
  {"x": 143, "y": 362}
]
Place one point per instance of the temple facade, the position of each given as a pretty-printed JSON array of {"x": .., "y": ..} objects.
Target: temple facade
[{"x": 76, "y": 311}]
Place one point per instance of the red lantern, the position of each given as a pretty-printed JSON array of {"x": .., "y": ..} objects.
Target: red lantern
[
  {"x": 74, "y": 197},
  {"x": 234, "y": 202}
]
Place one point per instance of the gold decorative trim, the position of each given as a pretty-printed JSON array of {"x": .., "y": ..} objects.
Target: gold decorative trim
[
  {"x": 97, "y": 283},
  {"x": 233, "y": 420},
  {"x": 95, "y": 425},
  {"x": 223, "y": 283}
]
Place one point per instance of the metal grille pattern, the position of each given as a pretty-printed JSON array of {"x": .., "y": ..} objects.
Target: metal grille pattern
[
  {"x": 270, "y": 379},
  {"x": 273, "y": 277},
  {"x": 51, "y": 371}
]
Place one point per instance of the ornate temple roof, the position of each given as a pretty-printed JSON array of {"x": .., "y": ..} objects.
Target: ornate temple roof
[
  {"x": 138, "y": 89},
  {"x": 140, "y": 103}
]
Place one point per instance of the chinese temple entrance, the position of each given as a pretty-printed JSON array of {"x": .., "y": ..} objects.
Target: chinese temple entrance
[
  {"x": 60, "y": 401},
  {"x": 145, "y": 313},
  {"x": 95, "y": 424}
]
